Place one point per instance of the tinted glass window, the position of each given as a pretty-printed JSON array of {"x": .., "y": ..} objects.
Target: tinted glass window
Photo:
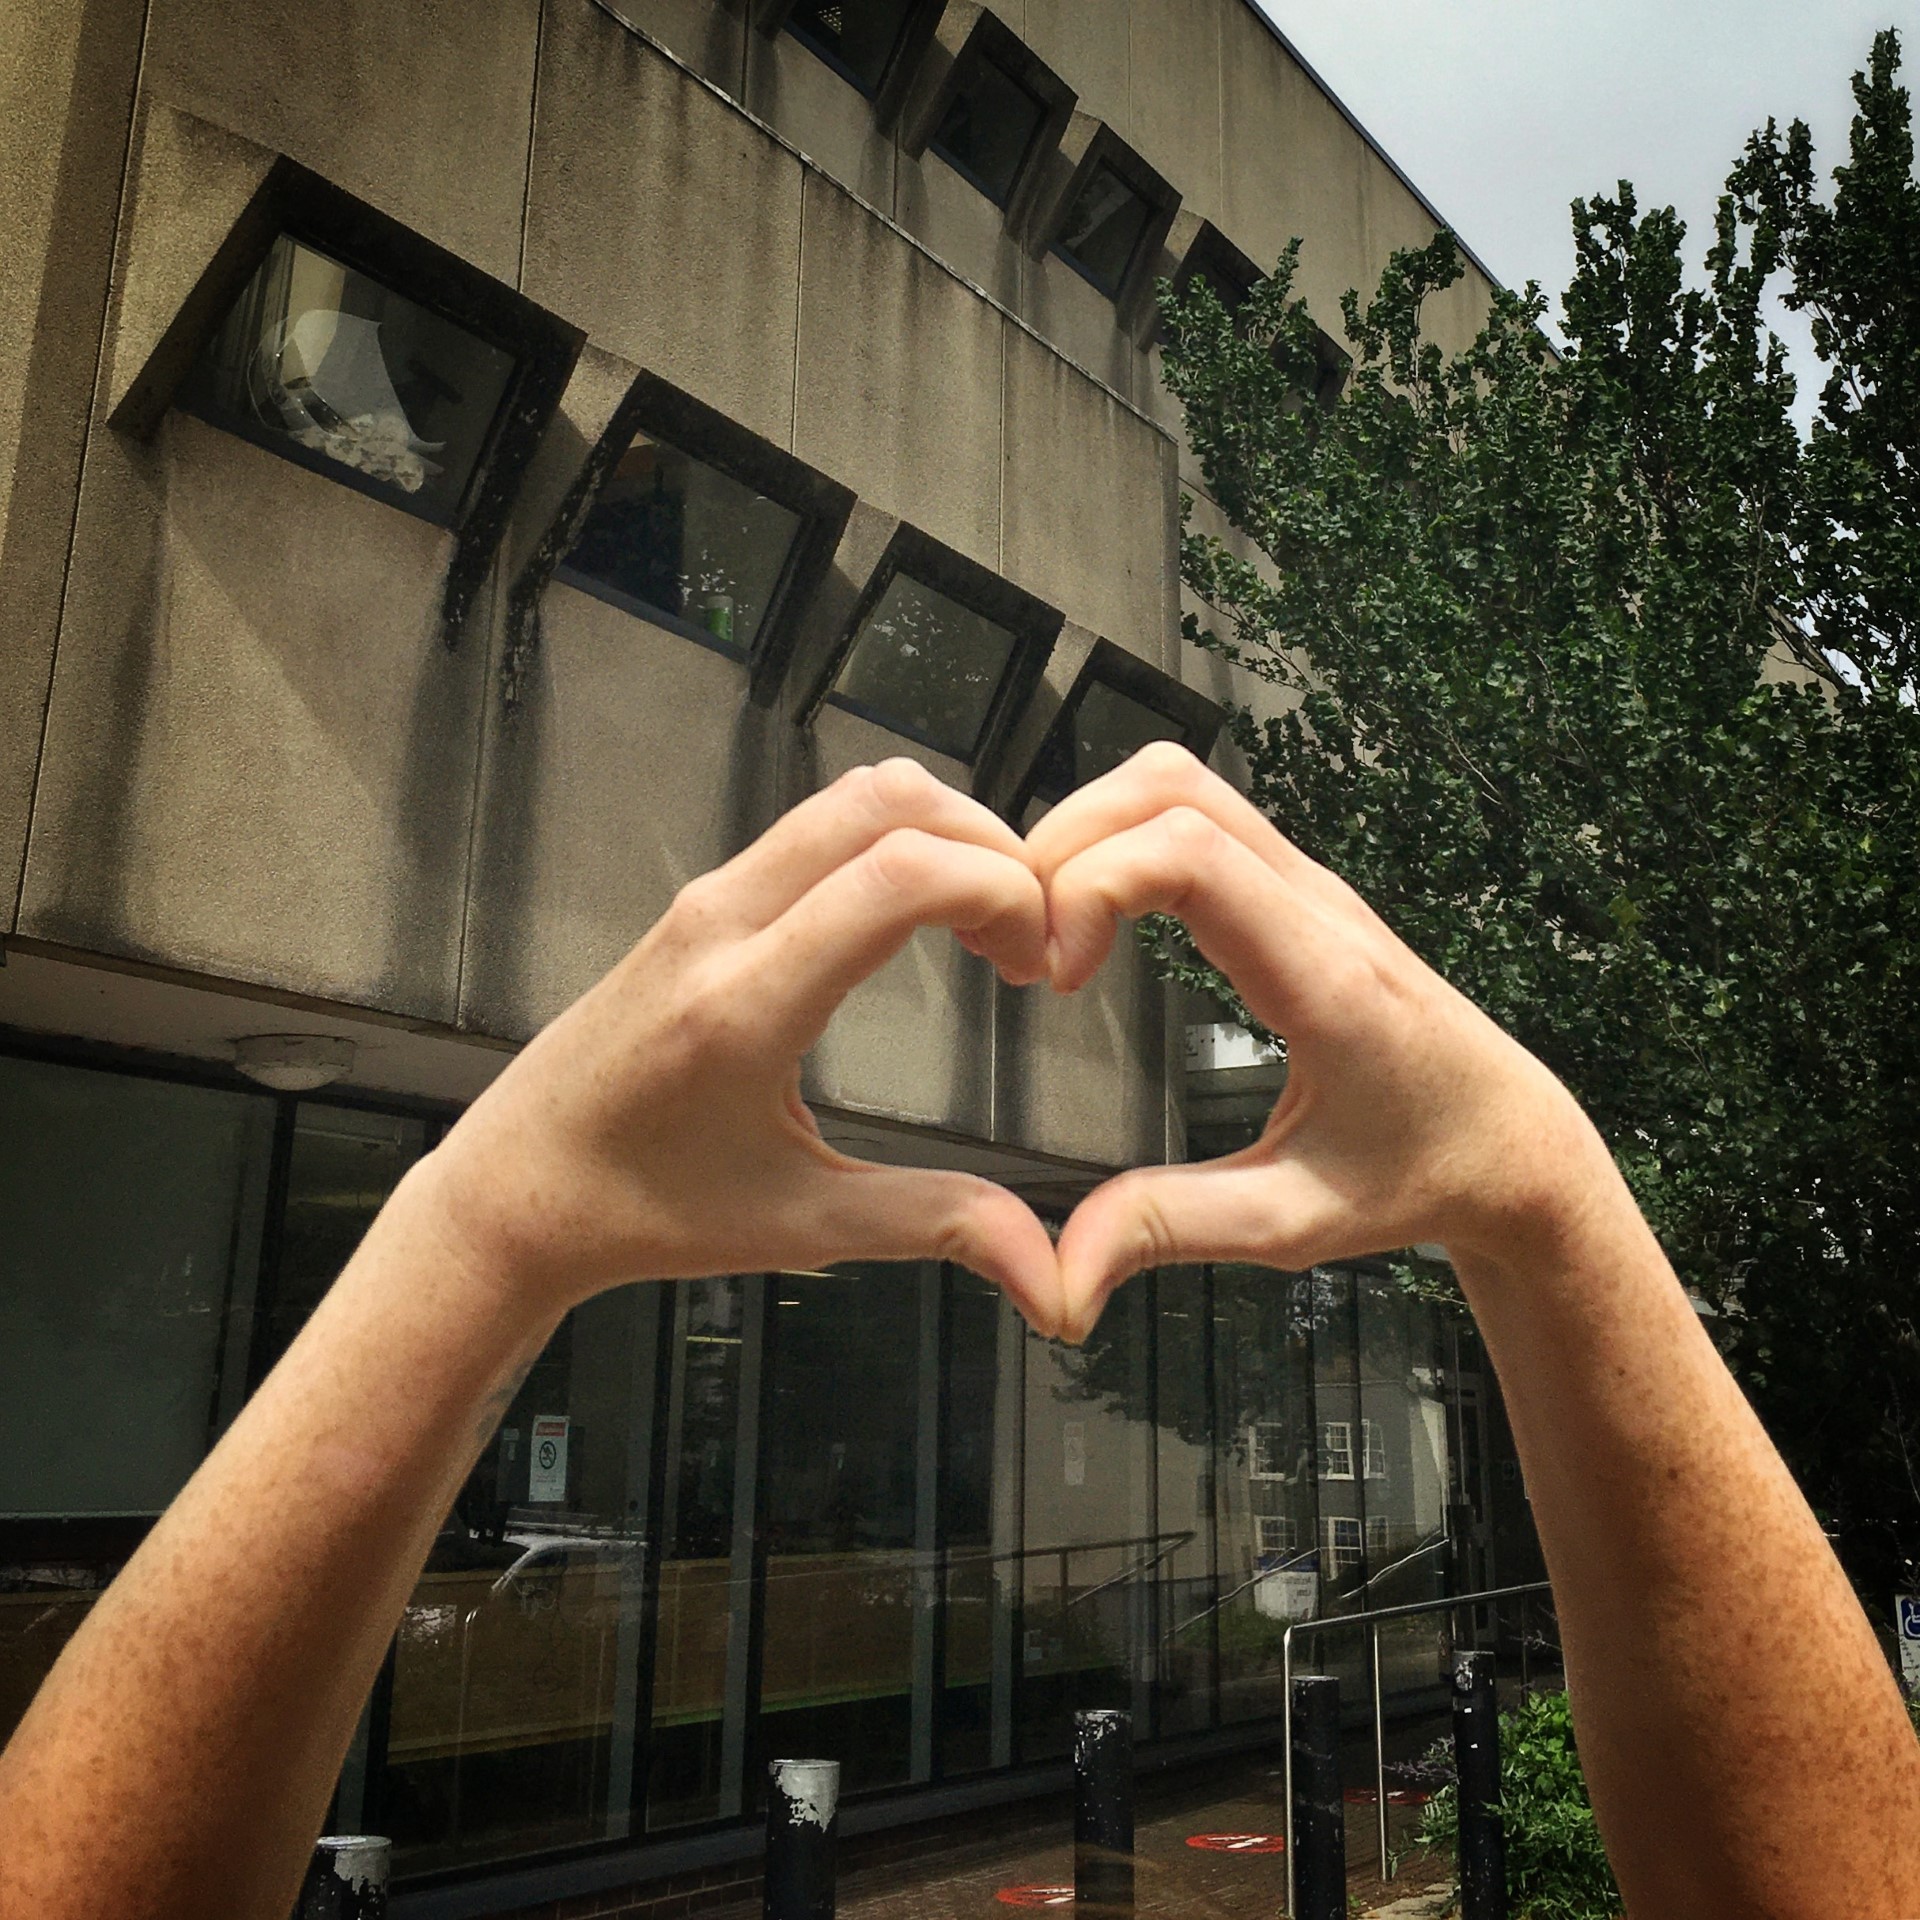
[
  {"x": 678, "y": 541},
  {"x": 1103, "y": 728},
  {"x": 339, "y": 372},
  {"x": 858, "y": 36},
  {"x": 926, "y": 666},
  {"x": 1103, "y": 228},
  {"x": 988, "y": 130}
]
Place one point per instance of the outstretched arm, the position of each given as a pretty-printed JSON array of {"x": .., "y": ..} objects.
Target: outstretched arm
[
  {"x": 1743, "y": 1740},
  {"x": 179, "y": 1758}
]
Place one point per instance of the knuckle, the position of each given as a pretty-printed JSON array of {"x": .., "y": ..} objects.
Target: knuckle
[
  {"x": 897, "y": 861},
  {"x": 1171, "y": 765},
  {"x": 899, "y": 786},
  {"x": 1190, "y": 834}
]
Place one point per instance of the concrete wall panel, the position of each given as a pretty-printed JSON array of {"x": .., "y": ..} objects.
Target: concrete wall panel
[
  {"x": 916, "y": 1040},
  {"x": 1086, "y": 43},
  {"x": 710, "y": 37},
  {"x": 66, "y": 105},
  {"x": 899, "y": 380},
  {"x": 631, "y": 762},
  {"x": 1075, "y": 317},
  {"x": 961, "y": 225},
  {"x": 1083, "y": 1077},
  {"x": 1173, "y": 74},
  {"x": 1090, "y": 504},
  {"x": 260, "y": 756},
  {"x": 664, "y": 222},
  {"x": 422, "y": 109},
  {"x": 830, "y": 120}
]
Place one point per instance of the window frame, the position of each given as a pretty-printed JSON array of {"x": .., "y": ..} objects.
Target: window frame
[
  {"x": 1344, "y": 1557},
  {"x": 917, "y": 28},
  {"x": 1288, "y": 1526},
  {"x": 1196, "y": 719},
  {"x": 312, "y": 212},
  {"x": 1328, "y": 1452},
  {"x": 1373, "y": 1449},
  {"x": 1107, "y": 149},
  {"x": 672, "y": 416},
  {"x": 1034, "y": 626},
  {"x": 1254, "y": 1470}
]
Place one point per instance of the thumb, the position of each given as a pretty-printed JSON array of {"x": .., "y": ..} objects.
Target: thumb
[
  {"x": 917, "y": 1213},
  {"x": 1272, "y": 1213}
]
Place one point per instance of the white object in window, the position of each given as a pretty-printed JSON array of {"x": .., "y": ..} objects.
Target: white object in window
[{"x": 1336, "y": 1450}]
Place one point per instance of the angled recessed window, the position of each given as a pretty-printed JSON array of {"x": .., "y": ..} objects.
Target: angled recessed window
[
  {"x": 939, "y": 648},
  {"x": 1106, "y": 221},
  {"x": 680, "y": 542},
  {"x": 989, "y": 129},
  {"x": 687, "y": 519},
  {"x": 857, "y": 38},
  {"x": 338, "y": 371},
  {"x": 1116, "y": 706}
]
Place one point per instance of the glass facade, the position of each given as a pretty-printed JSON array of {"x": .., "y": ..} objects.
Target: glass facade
[
  {"x": 988, "y": 129},
  {"x": 685, "y": 545},
  {"x": 863, "y": 1513},
  {"x": 331, "y": 368},
  {"x": 1104, "y": 227},
  {"x": 855, "y": 36},
  {"x": 925, "y": 665}
]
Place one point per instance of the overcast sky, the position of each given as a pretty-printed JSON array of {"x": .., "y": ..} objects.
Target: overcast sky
[{"x": 1502, "y": 111}]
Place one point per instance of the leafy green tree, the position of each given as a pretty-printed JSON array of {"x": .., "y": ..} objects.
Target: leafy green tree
[{"x": 1598, "y": 681}]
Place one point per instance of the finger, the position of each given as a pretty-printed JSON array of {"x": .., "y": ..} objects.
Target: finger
[
  {"x": 864, "y": 912},
  {"x": 1259, "y": 930},
  {"x": 914, "y": 1213},
  {"x": 838, "y": 824},
  {"x": 1154, "y": 780},
  {"x": 1249, "y": 1207}
]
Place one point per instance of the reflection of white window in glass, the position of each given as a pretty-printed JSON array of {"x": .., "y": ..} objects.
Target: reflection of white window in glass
[
  {"x": 1275, "y": 1533},
  {"x": 1336, "y": 1450},
  {"x": 1343, "y": 1543},
  {"x": 1374, "y": 1439},
  {"x": 1267, "y": 1451},
  {"x": 1377, "y": 1524}
]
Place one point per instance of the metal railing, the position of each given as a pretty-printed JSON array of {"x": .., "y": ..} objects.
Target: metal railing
[{"x": 1371, "y": 1621}]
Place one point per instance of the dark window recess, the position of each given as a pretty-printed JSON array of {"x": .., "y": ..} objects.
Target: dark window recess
[
  {"x": 989, "y": 129},
  {"x": 342, "y": 374},
  {"x": 1103, "y": 228},
  {"x": 1104, "y": 728},
  {"x": 681, "y": 543},
  {"x": 857, "y": 37},
  {"x": 926, "y": 666}
]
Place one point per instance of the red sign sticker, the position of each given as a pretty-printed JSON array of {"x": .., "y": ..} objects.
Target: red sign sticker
[
  {"x": 1035, "y": 1896},
  {"x": 1239, "y": 1842}
]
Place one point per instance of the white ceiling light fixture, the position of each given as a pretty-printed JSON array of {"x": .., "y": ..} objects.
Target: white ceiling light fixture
[{"x": 293, "y": 1062}]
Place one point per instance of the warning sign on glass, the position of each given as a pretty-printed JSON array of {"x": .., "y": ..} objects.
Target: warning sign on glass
[{"x": 547, "y": 1463}]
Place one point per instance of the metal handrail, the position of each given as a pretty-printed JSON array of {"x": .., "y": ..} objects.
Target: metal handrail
[{"x": 1371, "y": 1621}]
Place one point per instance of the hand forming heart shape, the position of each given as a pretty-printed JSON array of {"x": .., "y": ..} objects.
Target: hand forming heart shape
[{"x": 656, "y": 1128}]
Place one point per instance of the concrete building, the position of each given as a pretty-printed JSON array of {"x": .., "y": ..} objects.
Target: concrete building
[{"x": 463, "y": 471}]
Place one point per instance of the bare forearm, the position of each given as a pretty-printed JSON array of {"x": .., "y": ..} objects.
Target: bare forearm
[
  {"x": 232, "y": 1656},
  {"x": 1709, "y": 1630}
]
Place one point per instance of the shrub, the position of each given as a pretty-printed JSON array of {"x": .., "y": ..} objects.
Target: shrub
[{"x": 1556, "y": 1867}]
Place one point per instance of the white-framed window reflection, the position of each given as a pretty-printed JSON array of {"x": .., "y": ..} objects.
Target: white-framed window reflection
[{"x": 1336, "y": 1450}]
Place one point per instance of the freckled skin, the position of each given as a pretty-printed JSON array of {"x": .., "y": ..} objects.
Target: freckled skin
[{"x": 1747, "y": 1750}]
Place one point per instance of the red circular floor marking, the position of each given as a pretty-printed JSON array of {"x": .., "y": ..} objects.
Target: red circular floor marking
[
  {"x": 1239, "y": 1842},
  {"x": 1035, "y": 1896}
]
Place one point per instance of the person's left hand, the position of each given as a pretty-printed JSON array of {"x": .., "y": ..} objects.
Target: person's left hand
[{"x": 656, "y": 1130}]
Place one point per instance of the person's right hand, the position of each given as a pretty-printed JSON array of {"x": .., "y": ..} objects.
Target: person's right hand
[
  {"x": 655, "y": 1130},
  {"x": 1408, "y": 1116}
]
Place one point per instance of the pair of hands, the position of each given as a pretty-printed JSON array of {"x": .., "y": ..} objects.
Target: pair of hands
[{"x": 656, "y": 1129}]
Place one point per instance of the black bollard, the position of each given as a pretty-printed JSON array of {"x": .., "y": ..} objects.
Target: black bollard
[
  {"x": 1476, "y": 1758},
  {"x": 1103, "y": 1812},
  {"x": 1319, "y": 1814},
  {"x": 346, "y": 1879},
  {"x": 803, "y": 1802}
]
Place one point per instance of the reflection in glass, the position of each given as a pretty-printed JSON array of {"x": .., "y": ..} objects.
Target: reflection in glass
[
  {"x": 697, "y": 1603},
  {"x": 1091, "y": 1554},
  {"x": 511, "y": 1726},
  {"x": 676, "y": 540},
  {"x": 840, "y": 1521},
  {"x": 1184, "y": 1481},
  {"x": 1268, "y": 1557},
  {"x": 130, "y": 1222},
  {"x": 857, "y": 36},
  {"x": 1104, "y": 227},
  {"x": 926, "y": 666},
  {"x": 1100, "y": 729},
  {"x": 318, "y": 360},
  {"x": 988, "y": 129}
]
